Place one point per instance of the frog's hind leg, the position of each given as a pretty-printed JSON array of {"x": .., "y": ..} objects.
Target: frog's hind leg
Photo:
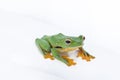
[
  {"x": 85, "y": 55},
  {"x": 44, "y": 47}
]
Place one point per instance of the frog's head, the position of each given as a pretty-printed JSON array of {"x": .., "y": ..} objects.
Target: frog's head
[
  {"x": 74, "y": 41},
  {"x": 70, "y": 42}
]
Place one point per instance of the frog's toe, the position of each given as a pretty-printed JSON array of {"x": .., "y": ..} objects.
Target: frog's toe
[
  {"x": 92, "y": 57},
  {"x": 70, "y": 61},
  {"x": 48, "y": 55},
  {"x": 81, "y": 54},
  {"x": 85, "y": 56},
  {"x": 89, "y": 57}
]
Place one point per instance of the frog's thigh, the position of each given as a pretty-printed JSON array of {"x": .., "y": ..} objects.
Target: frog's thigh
[{"x": 43, "y": 45}]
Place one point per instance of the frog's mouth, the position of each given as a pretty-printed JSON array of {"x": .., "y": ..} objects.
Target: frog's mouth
[
  {"x": 59, "y": 48},
  {"x": 70, "y": 47}
]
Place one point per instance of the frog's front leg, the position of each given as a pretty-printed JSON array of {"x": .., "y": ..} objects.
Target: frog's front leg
[
  {"x": 44, "y": 47},
  {"x": 64, "y": 59},
  {"x": 85, "y": 55}
]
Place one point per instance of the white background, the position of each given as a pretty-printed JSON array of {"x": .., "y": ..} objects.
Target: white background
[{"x": 21, "y": 21}]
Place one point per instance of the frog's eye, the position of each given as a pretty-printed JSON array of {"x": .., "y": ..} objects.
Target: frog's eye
[{"x": 67, "y": 41}]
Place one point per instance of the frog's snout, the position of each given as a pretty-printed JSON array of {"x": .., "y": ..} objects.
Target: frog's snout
[{"x": 83, "y": 37}]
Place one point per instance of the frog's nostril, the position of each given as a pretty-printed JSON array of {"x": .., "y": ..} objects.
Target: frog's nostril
[{"x": 83, "y": 37}]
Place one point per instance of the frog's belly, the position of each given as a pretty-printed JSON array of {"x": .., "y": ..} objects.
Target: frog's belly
[{"x": 67, "y": 49}]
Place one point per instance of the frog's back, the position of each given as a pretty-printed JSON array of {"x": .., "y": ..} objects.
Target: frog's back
[
  {"x": 55, "y": 39},
  {"x": 45, "y": 37}
]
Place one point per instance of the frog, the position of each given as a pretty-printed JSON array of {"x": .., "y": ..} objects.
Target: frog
[{"x": 52, "y": 46}]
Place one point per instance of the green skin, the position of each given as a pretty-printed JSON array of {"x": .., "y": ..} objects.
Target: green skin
[{"x": 51, "y": 44}]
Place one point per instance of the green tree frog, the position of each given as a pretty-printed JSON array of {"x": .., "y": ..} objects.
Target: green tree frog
[{"x": 55, "y": 45}]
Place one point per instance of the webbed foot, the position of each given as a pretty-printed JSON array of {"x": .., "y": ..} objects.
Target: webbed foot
[
  {"x": 85, "y": 56},
  {"x": 48, "y": 55},
  {"x": 70, "y": 61}
]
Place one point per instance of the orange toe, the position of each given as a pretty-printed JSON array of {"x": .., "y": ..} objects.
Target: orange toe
[
  {"x": 48, "y": 55},
  {"x": 70, "y": 61},
  {"x": 85, "y": 57}
]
